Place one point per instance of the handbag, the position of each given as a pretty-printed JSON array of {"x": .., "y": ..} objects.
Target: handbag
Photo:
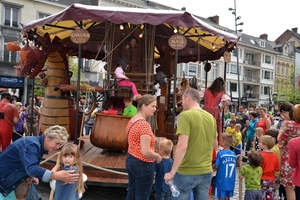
[{"x": 22, "y": 190}]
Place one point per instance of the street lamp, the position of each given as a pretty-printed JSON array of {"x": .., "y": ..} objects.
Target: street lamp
[{"x": 237, "y": 49}]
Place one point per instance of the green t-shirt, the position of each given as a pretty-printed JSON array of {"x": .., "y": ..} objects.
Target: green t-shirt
[
  {"x": 201, "y": 128},
  {"x": 252, "y": 177},
  {"x": 227, "y": 116},
  {"x": 130, "y": 110}
]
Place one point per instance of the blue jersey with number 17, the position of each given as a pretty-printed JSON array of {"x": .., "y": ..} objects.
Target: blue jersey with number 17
[{"x": 226, "y": 162}]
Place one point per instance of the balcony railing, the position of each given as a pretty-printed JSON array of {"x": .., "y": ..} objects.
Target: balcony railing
[
  {"x": 253, "y": 80},
  {"x": 251, "y": 95}
]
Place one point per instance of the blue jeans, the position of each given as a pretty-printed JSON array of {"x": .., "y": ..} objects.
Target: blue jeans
[
  {"x": 88, "y": 128},
  {"x": 198, "y": 183},
  {"x": 140, "y": 176},
  {"x": 163, "y": 195}
]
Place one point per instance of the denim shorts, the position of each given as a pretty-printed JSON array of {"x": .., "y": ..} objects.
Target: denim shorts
[{"x": 199, "y": 184}]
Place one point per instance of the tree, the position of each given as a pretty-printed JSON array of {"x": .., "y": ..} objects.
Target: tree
[
  {"x": 286, "y": 88},
  {"x": 39, "y": 87}
]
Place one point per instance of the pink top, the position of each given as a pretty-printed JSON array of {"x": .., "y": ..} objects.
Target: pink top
[
  {"x": 119, "y": 73},
  {"x": 294, "y": 159},
  {"x": 224, "y": 97}
]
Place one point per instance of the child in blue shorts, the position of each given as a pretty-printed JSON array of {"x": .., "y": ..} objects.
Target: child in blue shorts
[{"x": 226, "y": 166}]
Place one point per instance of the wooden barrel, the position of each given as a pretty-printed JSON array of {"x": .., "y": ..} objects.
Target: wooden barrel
[{"x": 109, "y": 132}]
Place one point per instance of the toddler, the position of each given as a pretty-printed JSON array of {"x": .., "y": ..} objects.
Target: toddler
[
  {"x": 162, "y": 190},
  {"x": 129, "y": 110},
  {"x": 258, "y": 133},
  {"x": 252, "y": 173},
  {"x": 237, "y": 139}
]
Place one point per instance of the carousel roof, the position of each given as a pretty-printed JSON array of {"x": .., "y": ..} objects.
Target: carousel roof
[{"x": 204, "y": 42}]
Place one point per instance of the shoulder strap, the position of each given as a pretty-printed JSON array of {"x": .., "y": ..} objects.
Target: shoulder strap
[{"x": 133, "y": 125}]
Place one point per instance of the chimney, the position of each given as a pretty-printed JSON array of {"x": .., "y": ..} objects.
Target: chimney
[
  {"x": 214, "y": 19},
  {"x": 264, "y": 36},
  {"x": 295, "y": 30}
]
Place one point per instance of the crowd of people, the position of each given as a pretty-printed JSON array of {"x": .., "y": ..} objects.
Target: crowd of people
[{"x": 205, "y": 144}]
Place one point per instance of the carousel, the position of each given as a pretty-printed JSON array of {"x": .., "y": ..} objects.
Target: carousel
[{"x": 163, "y": 37}]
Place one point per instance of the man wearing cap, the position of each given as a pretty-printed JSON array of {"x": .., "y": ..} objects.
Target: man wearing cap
[{"x": 8, "y": 117}]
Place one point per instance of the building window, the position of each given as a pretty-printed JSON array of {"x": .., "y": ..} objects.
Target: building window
[
  {"x": 234, "y": 52},
  {"x": 9, "y": 56},
  {"x": 287, "y": 72},
  {"x": 232, "y": 69},
  {"x": 233, "y": 87},
  {"x": 267, "y": 75},
  {"x": 192, "y": 70},
  {"x": 277, "y": 69},
  {"x": 11, "y": 16},
  {"x": 267, "y": 59},
  {"x": 200, "y": 67},
  {"x": 282, "y": 70},
  {"x": 42, "y": 15},
  {"x": 215, "y": 71},
  {"x": 264, "y": 90}
]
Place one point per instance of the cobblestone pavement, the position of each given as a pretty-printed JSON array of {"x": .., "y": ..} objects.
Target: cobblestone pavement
[{"x": 106, "y": 193}]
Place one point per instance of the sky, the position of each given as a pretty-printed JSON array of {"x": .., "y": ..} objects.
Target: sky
[{"x": 259, "y": 16}]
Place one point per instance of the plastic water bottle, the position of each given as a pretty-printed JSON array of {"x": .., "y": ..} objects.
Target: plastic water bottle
[{"x": 173, "y": 188}]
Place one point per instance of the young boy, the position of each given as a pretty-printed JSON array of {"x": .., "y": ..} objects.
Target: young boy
[
  {"x": 274, "y": 133},
  {"x": 162, "y": 190},
  {"x": 269, "y": 165},
  {"x": 129, "y": 110},
  {"x": 230, "y": 129},
  {"x": 226, "y": 166},
  {"x": 237, "y": 139},
  {"x": 252, "y": 173}
]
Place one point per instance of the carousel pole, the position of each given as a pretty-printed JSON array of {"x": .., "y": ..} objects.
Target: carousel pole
[
  {"x": 174, "y": 95},
  {"x": 77, "y": 95},
  {"x": 223, "y": 112}
]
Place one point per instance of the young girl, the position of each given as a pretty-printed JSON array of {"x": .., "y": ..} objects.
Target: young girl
[
  {"x": 123, "y": 80},
  {"x": 258, "y": 134},
  {"x": 213, "y": 96},
  {"x": 69, "y": 159}
]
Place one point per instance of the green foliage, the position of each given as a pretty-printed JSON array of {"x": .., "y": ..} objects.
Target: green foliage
[
  {"x": 286, "y": 89},
  {"x": 39, "y": 87}
]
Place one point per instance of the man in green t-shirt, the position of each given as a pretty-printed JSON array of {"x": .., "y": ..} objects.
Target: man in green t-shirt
[{"x": 197, "y": 137}]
